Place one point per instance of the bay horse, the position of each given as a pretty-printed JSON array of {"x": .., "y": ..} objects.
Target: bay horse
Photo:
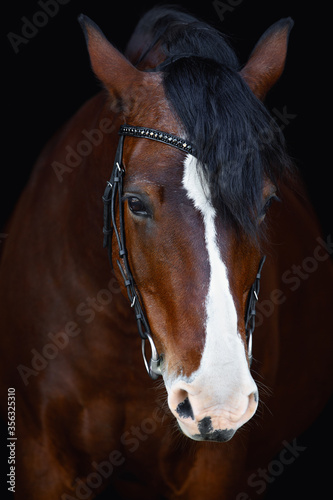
[{"x": 181, "y": 164}]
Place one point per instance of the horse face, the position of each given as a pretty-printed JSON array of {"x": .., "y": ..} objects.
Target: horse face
[
  {"x": 193, "y": 276},
  {"x": 192, "y": 272}
]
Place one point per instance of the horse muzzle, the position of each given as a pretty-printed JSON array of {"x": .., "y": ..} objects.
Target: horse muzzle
[{"x": 202, "y": 417}]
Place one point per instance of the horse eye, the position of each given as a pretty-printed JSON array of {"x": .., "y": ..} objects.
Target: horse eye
[
  {"x": 268, "y": 204},
  {"x": 266, "y": 207},
  {"x": 136, "y": 206}
]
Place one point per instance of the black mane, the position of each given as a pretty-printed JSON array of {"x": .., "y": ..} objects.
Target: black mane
[{"x": 237, "y": 141}]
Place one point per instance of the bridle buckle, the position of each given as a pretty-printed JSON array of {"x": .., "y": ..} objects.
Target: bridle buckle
[{"x": 154, "y": 366}]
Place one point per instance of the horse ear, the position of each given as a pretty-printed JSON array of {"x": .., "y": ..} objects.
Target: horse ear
[
  {"x": 116, "y": 73},
  {"x": 266, "y": 62}
]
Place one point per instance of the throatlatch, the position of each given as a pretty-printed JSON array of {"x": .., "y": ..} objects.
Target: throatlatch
[{"x": 114, "y": 192}]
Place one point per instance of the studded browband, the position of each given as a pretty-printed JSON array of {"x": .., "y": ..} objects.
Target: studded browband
[{"x": 158, "y": 135}]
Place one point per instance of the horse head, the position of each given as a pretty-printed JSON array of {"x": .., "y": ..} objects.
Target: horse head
[{"x": 192, "y": 222}]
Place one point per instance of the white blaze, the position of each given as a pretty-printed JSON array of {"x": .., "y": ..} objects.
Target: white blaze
[{"x": 223, "y": 373}]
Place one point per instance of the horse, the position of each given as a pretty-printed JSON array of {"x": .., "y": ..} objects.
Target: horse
[{"x": 158, "y": 215}]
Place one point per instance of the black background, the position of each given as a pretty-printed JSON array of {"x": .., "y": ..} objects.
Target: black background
[{"x": 50, "y": 77}]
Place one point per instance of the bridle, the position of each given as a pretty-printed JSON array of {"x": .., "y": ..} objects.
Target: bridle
[{"x": 113, "y": 188}]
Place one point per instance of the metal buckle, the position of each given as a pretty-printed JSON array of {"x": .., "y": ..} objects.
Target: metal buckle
[{"x": 154, "y": 366}]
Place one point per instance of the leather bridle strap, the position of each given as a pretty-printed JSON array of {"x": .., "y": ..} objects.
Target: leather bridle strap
[
  {"x": 125, "y": 270},
  {"x": 107, "y": 199},
  {"x": 112, "y": 193},
  {"x": 115, "y": 187},
  {"x": 250, "y": 316}
]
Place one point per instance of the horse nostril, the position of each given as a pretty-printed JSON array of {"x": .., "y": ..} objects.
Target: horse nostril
[
  {"x": 205, "y": 426},
  {"x": 184, "y": 409}
]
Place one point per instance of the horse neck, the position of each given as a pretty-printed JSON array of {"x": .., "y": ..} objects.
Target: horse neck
[{"x": 89, "y": 142}]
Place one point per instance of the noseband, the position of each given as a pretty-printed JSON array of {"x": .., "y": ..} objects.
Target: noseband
[{"x": 113, "y": 188}]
